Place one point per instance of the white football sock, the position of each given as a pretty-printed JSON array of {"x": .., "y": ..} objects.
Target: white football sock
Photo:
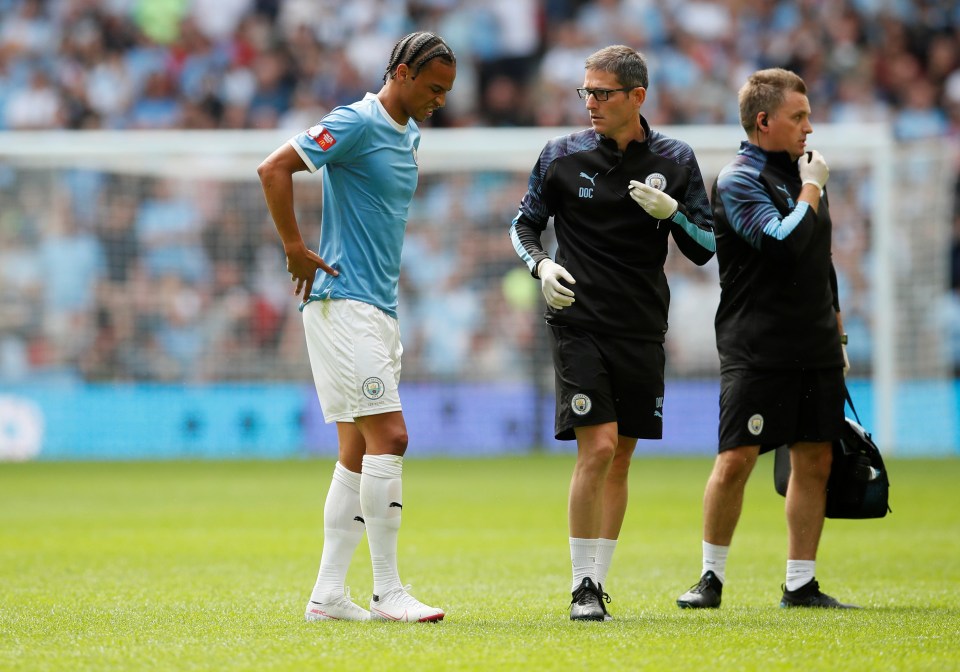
[
  {"x": 715, "y": 560},
  {"x": 800, "y": 573},
  {"x": 381, "y": 498},
  {"x": 605, "y": 549},
  {"x": 342, "y": 532},
  {"x": 583, "y": 555}
]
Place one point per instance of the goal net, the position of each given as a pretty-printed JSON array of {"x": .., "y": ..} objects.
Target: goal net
[{"x": 143, "y": 293}]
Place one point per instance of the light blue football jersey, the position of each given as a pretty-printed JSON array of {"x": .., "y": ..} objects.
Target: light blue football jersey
[{"x": 369, "y": 165}]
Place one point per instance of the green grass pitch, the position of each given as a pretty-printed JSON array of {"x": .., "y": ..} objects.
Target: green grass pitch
[{"x": 208, "y": 566}]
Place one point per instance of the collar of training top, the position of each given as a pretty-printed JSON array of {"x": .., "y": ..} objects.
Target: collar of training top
[
  {"x": 780, "y": 159},
  {"x": 604, "y": 140}
]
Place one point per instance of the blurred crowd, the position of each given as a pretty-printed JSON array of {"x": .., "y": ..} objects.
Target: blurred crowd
[
  {"x": 109, "y": 277},
  {"x": 282, "y": 63}
]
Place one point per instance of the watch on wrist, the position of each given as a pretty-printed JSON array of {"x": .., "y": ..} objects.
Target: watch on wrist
[{"x": 843, "y": 339}]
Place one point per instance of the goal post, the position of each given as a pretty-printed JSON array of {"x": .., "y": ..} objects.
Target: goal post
[
  {"x": 853, "y": 147},
  {"x": 470, "y": 314}
]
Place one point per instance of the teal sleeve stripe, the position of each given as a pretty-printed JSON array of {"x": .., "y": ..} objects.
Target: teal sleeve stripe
[
  {"x": 701, "y": 237},
  {"x": 781, "y": 228},
  {"x": 518, "y": 246}
]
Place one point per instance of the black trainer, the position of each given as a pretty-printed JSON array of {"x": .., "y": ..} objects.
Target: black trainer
[
  {"x": 704, "y": 595},
  {"x": 604, "y": 597},
  {"x": 809, "y": 595},
  {"x": 587, "y": 603}
]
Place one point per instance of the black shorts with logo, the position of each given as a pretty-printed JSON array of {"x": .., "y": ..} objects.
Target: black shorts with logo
[
  {"x": 601, "y": 378},
  {"x": 772, "y": 408}
]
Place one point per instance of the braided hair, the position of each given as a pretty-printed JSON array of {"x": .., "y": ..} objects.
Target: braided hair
[{"x": 416, "y": 50}]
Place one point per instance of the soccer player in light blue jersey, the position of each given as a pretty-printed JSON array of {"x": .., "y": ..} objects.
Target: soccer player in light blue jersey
[{"x": 367, "y": 154}]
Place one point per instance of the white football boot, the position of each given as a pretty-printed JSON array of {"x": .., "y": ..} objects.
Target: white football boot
[
  {"x": 399, "y": 605},
  {"x": 339, "y": 609}
]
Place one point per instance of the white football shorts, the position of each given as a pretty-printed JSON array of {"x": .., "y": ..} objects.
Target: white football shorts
[{"x": 355, "y": 354}]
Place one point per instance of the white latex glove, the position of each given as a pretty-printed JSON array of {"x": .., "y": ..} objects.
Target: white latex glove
[
  {"x": 658, "y": 204},
  {"x": 558, "y": 297},
  {"x": 846, "y": 361},
  {"x": 814, "y": 169}
]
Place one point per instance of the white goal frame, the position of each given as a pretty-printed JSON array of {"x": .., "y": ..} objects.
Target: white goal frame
[
  {"x": 845, "y": 145},
  {"x": 236, "y": 154}
]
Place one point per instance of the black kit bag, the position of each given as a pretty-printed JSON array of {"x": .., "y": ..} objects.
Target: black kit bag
[{"x": 859, "y": 486}]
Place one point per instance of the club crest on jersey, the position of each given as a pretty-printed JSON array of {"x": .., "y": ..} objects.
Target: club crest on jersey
[
  {"x": 373, "y": 388},
  {"x": 581, "y": 404},
  {"x": 322, "y": 137},
  {"x": 755, "y": 424},
  {"x": 657, "y": 181}
]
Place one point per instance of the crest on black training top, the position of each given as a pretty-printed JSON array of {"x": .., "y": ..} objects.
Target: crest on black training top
[{"x": 657, "y": 181}]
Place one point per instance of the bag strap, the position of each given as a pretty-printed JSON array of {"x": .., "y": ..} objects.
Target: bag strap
[{"x": 846, "y": 394}]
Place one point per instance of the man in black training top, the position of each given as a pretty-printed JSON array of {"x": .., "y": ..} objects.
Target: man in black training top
[
  {"x": 779, "y": 333},
  {"x": 616, "y": 192}
]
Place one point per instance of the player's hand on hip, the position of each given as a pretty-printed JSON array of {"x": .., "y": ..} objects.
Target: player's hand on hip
[
  {"x": 302, "y": 265},
  {"x": 658, "y": 204},
  {"x": 558, "y": 297},
  {"x": 814, "y": 169}
]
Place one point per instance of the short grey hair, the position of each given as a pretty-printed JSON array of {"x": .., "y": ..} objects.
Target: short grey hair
[{"x": 628, "y": 65}]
